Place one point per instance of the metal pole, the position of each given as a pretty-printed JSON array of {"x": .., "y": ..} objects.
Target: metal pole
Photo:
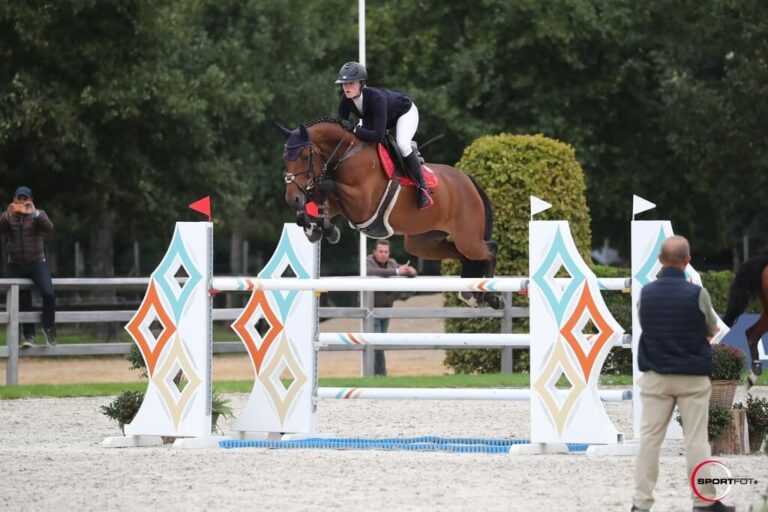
[
  {"x": 368, "y": 351},
  {"x": 12, "y": 336},
  {"x": 361, "y": 30},
  {"x": 366, "y": 299},
  {"x": 506, "y": 328}
]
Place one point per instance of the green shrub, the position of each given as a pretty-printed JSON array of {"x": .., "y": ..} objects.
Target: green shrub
[
  {"x": 511, "y": 168},
  {"x": 727, "y": 362},
  {"x": 757, "y": 416},
  {"x": 720, "y": 419},
  {"x": 124, "y": 407},
  {"x": 718, "y": 284}
]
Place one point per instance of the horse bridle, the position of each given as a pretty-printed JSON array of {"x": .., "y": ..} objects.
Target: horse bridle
[{"x": 326, "y": 172}]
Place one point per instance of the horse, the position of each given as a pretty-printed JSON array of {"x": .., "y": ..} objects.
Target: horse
[
  {"x": 330, "y": 172},
  {"x": 750, "y": 281}
]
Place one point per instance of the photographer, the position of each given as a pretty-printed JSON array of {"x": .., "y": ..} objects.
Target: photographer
[
  {"x": 381, "y": 265},
  {"x": 25, "y": 226}
]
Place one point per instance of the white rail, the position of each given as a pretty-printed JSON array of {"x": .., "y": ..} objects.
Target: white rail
[
  {"x": 374, "y": 284},
  {"x": 442, "y": 339},
  {"x": 512, "y": 394}
]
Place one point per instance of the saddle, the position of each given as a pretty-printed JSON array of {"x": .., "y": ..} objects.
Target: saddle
[{"x": 396, "y": 166}]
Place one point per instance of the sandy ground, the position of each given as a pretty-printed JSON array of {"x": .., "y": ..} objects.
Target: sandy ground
[
  {"x": 52, "y": 460},
  {"x": 52, "y": 370}
]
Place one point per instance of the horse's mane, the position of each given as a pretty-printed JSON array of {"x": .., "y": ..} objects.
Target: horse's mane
[{"x": 326, "y": 120}]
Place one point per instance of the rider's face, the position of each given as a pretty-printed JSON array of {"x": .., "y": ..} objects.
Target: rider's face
[{"x": 352, "y": 89}]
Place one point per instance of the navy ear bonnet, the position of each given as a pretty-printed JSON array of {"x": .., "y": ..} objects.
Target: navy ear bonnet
[{"x": 296, "y": 141}]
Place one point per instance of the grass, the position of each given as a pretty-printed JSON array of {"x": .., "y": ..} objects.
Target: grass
[{"x": 491, "y": 380}]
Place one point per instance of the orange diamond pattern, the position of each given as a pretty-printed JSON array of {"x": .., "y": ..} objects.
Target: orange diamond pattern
[
  {"x": 249, "y": 317},
  {"x": 136, "y": 327},
  {"x": 587, "y": 305}
]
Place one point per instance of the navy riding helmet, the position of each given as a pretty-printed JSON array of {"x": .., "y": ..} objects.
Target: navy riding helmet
[{"x": 352, "y": 72}]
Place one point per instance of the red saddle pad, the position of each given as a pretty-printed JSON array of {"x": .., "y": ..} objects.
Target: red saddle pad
[{"x": 430, "y": 178}]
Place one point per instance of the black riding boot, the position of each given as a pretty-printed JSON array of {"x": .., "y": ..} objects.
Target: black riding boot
[{"x": 423, "y": 198}]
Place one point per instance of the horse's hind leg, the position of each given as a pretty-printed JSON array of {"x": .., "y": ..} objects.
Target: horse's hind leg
[
  {"x": 756, "y": 332},
  {"x": 479, "y": 261},
  {"x": 754, "y": 335},
  {"x": 493, "y": 299}
]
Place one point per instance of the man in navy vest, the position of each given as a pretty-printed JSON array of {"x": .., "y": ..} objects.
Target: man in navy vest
[{"x": 676, "y": 317}]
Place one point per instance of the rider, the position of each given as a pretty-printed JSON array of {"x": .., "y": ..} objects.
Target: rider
[{"x": 382, "y": 109}]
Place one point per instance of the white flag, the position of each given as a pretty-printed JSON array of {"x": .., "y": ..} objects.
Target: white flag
[
  {"x": 538, "y": 206},
  {"x": 640, "y": 205}
]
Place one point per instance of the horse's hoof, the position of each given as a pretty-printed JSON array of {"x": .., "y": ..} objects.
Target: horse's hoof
[
  {"x": 757, "y": 367},
  {"x": 333, "y": 235},
  {"x": 494, "y": 300},
  {"x": 313, "y": 233},
  {"x": 468, "y": 298},
  {"x": 751, "y": 380}
]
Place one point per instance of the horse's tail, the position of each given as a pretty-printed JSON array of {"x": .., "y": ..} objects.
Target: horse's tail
[
  {"x": 746, "y": 285},
  {"x": 488, "y": 209}
]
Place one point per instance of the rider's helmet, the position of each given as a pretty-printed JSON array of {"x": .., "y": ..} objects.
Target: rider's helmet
[{"x": 352, "y": 72}]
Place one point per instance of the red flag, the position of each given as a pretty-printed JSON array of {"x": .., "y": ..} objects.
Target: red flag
[{"x": 203, "y": 206}]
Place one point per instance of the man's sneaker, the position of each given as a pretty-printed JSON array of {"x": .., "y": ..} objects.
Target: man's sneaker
[
  {"x": 718, "y": 506},
  {"x": 50, "y": 336},
  {"x": 29, "y": 341},
  {"x": 638, "y": 509}
]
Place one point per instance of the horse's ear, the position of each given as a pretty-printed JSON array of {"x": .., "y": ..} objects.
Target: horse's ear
[
  {"x": 283, "y": 130},
  {"x": 303, "y": 132}
]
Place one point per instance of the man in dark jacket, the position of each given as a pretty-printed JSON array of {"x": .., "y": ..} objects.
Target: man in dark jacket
[
  {"x": 379, "y": 264},
  {"x": 25, "y": 227},
  {"x": 676, "y": 318}
]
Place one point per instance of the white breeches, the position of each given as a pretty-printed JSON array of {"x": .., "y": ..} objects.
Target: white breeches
[{"x": 405, "y": 129}]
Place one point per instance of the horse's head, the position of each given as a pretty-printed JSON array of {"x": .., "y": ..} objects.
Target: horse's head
[
  {"x": 303, "y": 165},
  {"x": 311, "y": 159}
]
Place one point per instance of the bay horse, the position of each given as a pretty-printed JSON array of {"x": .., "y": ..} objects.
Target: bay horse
[
  {"x": 329, "y": 172},
  {"x": 751, "y": 281}
]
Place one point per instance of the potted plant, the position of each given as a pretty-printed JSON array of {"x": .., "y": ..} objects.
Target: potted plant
[
  {"x": 757, "y": 420},
  {"x": 727, "y": 366}
]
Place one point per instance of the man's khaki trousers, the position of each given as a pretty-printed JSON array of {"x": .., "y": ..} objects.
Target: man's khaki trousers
[{"x": 659, "y": 394}]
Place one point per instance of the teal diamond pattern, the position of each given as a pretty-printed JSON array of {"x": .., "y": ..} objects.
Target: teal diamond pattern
[
  {"x": 275, "y": 268},
  {"x": 177, "y": 256},
  {"x": 545, "y": 270},
  {"x": 646, "y": 273}
]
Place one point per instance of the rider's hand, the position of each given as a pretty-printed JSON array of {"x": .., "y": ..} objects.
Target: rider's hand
[
  {"x": 11, "y": 210},
  {"x": 348, "y": 125},
  {"x": 28, "y": 208}
]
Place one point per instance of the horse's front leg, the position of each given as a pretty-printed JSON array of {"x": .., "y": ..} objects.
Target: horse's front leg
[{"x": 754, "y": 335}]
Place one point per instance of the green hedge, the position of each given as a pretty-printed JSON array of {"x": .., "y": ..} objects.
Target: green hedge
[{"x": 511, "y": 168}]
